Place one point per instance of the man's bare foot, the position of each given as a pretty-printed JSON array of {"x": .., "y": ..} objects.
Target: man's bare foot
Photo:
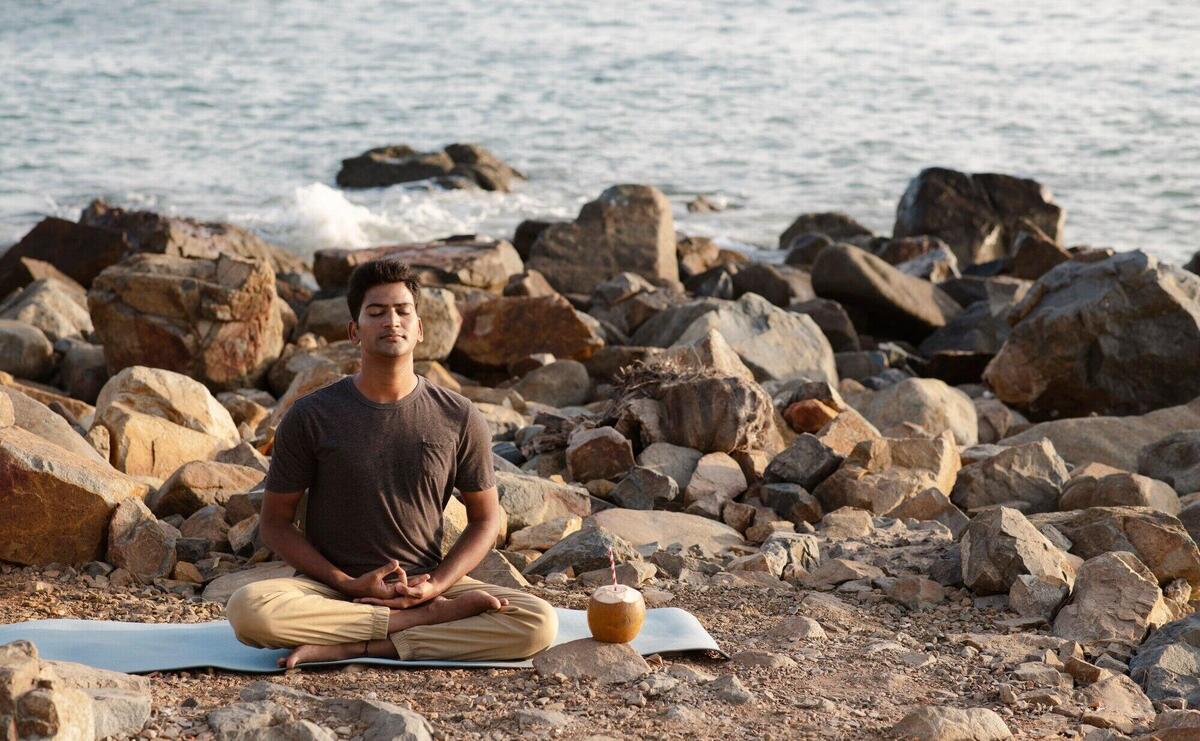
[
  {"x": 444, "y": 610},
  {"x": 309, "y": 653}
]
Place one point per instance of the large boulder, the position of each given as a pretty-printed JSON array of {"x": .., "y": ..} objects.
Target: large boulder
[
  {"x": 139, "y": 543},
  {"x": 891, "y": 303},
  {"x": 584, "y": 550},
  {"x": 56, "y": 504},
  {"x": 440, "y": 320},
  {"x": 530, "y": 501},
  {"x": 58, "y": 309},
  {"x": 33, "y": 416},
  {"x": 1098, "y": 338},
  {"x": 938, "y": 723},
  {"x": 718, "y": 414},
  {"x": 883, "y": 475},
  {"x": 1116, "y": 599},
  {"x": 598, "y": 453},
  {"x": 1000, "y": 544},
  {"x": 1026, "y": 477},
  {"x": 456, "y": 165},
  {"x": 200, "y": 483},
  {"x": 1113, "y": 441},
  {"x": 629, "y": 228},
  {"x": 1158, "y": 539},
  {"x": 476, "y": 263},
  {"x": 343, "y": 357},
  {"x": 216, "y": 320},
  {"x": 773, "y": 343},
  {"x": 25, "y": 350},
  {"x": 78, "y": 250},
  {"x": 641, "y": 527},
  {"x": 158, "y": 420},
  {"x": 832, "y": 224},
  {"x": 1118, "y": 489},
  {"x": 928, "y": 403},
  {"x": 1167, "y": 665},
  {"x": 562, "y": 383},
  {"x": 979, "y": 215},
  {"x": 1174, "y": 459},
  {"x": 497, "y": 332}
]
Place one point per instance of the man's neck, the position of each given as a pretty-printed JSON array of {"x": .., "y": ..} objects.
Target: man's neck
[{"x": 385, "y": 380}]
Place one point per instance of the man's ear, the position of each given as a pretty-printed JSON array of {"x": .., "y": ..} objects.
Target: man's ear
[
  {"x": 420, "y": 330},
  {"x": 352, "y": 332}
]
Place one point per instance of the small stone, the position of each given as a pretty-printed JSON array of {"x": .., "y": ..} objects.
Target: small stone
[
  {"x": 731, "y": 690},
  {"x": 608, "y": 663}
]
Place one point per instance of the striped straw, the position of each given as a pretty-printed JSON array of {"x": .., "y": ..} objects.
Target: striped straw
[{"x": 612, "y": 564}]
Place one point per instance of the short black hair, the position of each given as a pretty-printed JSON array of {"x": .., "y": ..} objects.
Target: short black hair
[{"x": 376, "y": 273}]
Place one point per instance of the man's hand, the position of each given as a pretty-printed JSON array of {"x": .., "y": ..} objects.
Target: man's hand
[
  {"x": 372, "y": 584},
  {"x": 419, "y": 589}
]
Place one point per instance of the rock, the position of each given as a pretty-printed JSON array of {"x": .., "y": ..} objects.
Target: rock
[
  {"x": 716, "y": 480},
  {"x": 847, "y": 522},
  {"x": 25, "y": 351},
  {"x": 57, "y": 504},
  {"x": 607, "y": 663},
  {"x": 928, "y": 403},
  {"x": 36, "y": 418},
  {"x": 481, "y": 263},
  {"x": 383, "y": 720},
  {"x": 696, "y": 255},
  {"x": 833, "y": 224},
  {"x": 932, "y": 505},
  {"x": 1102, "y": 319},
  {"x": 158, "y": 420},
  {"x": 936, "y": 266},
  {"x": 1174, "y": 459},
  {"x": 1038, "y": 596},
  {"x": 838, "y": 570},
  {"x": 806, "y": 462},
  {"x": 978, "y": 215},
  {"x": 1034, "y": 255},
  {"x": 440, "y": 320},
  {"x": 631, "y": 574},
  {"x": 326, "y": 318},
  {"x": 730, "y": 689},
  {"x": 76, "y": 251},
  {"x": 1026, "y": 477},
  {"x": 529, "y": 500},
  {"x": 58, "y": 309},
  {"x": 640, "y": 527},
  {"x": 1117, "y": 490},
  {"x": 809, "y": 415},
  {"x": 83, "y": 371},
  {"x": 833, "y": 321},
  {"x": 562, "y": 383},
  {"x": 798, "y": 627},
  {"x": 585, "y": 550},
  {"x": 929, "y": 723},
  {"x": 215, "y": 320},
  {"x": 996, "y": 420},
  {"x": 1158, "y": 539},
  {"x": 249, "y": 720},
  {"x": 542, "y": 537},
  {"x": 530, "y": 283},
  {"x": 54, "y": 712},
  {"x": 199, "y": 484},
  {"x": 763, "y": 659},
  {"x": 245, "y": 455},
  {"x": 846, "y": 431},
  {"x": 981, "y": 330},
  {"x": 208, "y": 523},
  {"x": 244, "y": 536},
  {"x": 881, "y": 475},
  {"x": 1117, "y": 702},
  {"x": 710, "y": 352},
  {"x": 915, "y": 592},
  {"x": 496, "y": 569},
  {"x": 454, "y": 165},
  {"x": 497, "y": 332},
  {"x": 341, "y": 357},
  {"x": 645, "y": 488},
  {"x": 718, "y": 414},
  {"x": 779, "y": 284},
  {"x": 674, "y": 461},
  {"x": 1113, "y": 441},
  {"x": 792, "y": 502},
  {"x": 8, "y": 417},
  {"x": 772, "y": 342},
  {"x": 1001, "y": 544},
  {"x": 893, "y": 304},
  {"x": 528, "y": 720},
  {"x": 598, "y": 453},
  {"x": 139, "y": 544},
  {"x": 1116, "y": 598},
  {"x": 629, "y": 228}
]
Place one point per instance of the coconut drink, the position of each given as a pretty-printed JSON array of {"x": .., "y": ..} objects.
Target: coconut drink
[{"x": 615, "y": 612}]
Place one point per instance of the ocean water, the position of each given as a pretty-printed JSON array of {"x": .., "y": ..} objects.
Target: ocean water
[{"x": 243, "y": 111}]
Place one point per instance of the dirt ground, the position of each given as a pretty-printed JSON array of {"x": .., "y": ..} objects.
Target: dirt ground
[{"x": 878, "y": 660}]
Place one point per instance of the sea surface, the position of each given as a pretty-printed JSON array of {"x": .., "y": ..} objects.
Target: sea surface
[{"x": 242, "y": 111}]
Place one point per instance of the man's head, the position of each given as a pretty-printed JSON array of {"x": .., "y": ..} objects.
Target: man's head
[{"x": 383, "y": 298}]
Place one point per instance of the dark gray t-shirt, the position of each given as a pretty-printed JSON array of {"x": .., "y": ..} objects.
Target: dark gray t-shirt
[{"x": 380, "y": 475}]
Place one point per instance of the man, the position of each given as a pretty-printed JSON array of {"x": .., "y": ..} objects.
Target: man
[{"x": 380, "y": 453}]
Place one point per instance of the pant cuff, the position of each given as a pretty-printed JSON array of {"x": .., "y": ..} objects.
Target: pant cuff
[
  {"x": 404, "y": 649},
  {"x": 379, "y": 622}
]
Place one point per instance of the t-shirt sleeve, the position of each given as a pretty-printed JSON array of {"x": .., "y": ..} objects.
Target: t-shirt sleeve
[
  {"x": 476, "y": 471},
  {"x": 293, "y": 456}
]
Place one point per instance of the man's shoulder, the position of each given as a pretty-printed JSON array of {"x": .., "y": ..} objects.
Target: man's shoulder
[
  {"x": 453, "y": 404},
  {"x": 316, "y": 402}
]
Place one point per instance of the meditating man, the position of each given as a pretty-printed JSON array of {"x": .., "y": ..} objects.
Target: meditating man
[{"x": 380, "y": 453}]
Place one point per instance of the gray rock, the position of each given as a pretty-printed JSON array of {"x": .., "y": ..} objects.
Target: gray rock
[
  {"x": 792, "y": 502},
  {"x": 584, "y": 550},
  {"x": 730, "y": 689},
  {"x": 25, "y": 351},
  {"x": 1000, "y": 544},
  {"x": 718, "y": 414},
  {"x": 608, "y": 663},
  {"x": 1167, "y": 665},
  {"x": 385, "y": 721},
  {"x": 560, "y": 384},
  {"x": 929, "y": 723},
  {"x": 675, "y": 461},
  {"x": 1174, "y": 459},
  {"x": 644, "y": 488},
  {"x": 1027, "y": 477},
  {"x": 530, "y": 500},
  {"x": 1116, "y": 598},
  {"x": 58, "y": 309},
  {"x": 717, "y": 479},
  {"x": 806, "y": 462},
  {"x": 834, "y": 225},
  {"x": 932, "y": 405},
  {"x": 1037, "y": 596},
  {"x": 247, "y": 721},
  {"x": 833, "y": 322},
  {"x": 1119, "y": 490}
]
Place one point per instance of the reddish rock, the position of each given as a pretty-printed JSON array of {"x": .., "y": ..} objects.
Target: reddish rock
[{"x": 498, "y": 332}]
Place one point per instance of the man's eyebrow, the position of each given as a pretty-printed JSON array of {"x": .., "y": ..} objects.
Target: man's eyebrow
[{"x": 402, "y": 303}]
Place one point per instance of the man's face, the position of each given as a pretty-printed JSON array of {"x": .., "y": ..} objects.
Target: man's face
[{"x": 388, "y": 324}]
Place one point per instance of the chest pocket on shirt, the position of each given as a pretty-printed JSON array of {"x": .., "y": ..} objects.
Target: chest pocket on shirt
[{"x": 438, "y": 461}]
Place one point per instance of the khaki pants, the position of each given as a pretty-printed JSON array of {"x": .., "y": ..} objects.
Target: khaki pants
[{"x": 282, "y": 613}]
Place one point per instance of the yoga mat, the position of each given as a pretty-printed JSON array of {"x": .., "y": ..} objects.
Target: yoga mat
[{"x": 137, "y": 648}]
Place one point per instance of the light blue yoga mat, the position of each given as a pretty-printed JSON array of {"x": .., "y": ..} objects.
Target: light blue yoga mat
[{"x": 145, "y": 647}]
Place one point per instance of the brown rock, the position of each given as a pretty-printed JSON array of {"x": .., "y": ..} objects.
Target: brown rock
[
  {"x": 497, "y": 332},
  {"x": 629, "y": 228},
  {"x": 530, "y": 500},
  {"x": 57, "y": 504},
  {"x": 482, "y": 263},
  {"x": 216, "y": 320},
  {"x": 496, "y": 569},
  {"x": 76, "y": 250},
  {"x": 140, "y": 544},
  {"x": 607, "y": 663},
  {"x": 928, "y": 723},
  {"x": 880, "y": 475},
  {"x": 1116, "y": 598},
  {"x": 343, "y": 357},
  {"x": 639, "y": 527},
  {"x": 543, "y": 536},
  {"x": 1000, "y": 544},
  {"x": 208, "y": 523},
  {"x": 457, "y": 165},
  {"x": 1027, "y": 477},
  {"x": 718, "y": 414},
  {"x": 25, "y": 351},
  {"x": 598, "y": 453},
  {"x": 1034, "y": 255},
  {"x": 716, "y": 480},
  {"x": 809, "y": 415},
  {"x": 846, "y": 431},
  {"x": 1119, "y": 490},
  {"x": 35, "y": 417},
  {"x": 199, "y": 484}
]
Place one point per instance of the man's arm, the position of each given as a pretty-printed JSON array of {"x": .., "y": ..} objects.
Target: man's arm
[
  {"x": 479, "y": 537},
  {"x": 281, "y": 536}
]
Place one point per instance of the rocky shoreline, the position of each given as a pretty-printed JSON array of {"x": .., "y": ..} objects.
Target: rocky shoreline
[{"x": 938, "y": 484}]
